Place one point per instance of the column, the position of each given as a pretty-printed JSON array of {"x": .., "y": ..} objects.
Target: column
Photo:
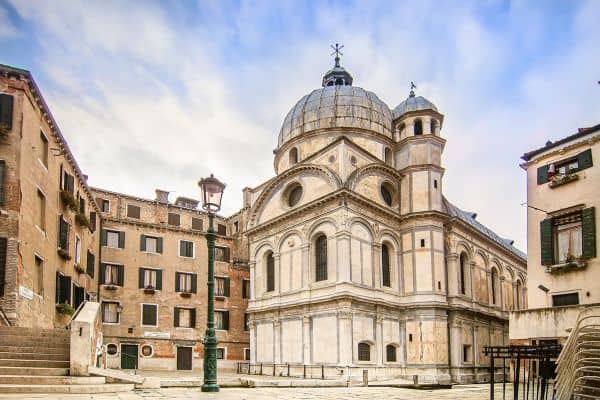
[
  {"x": 305, "y": 249},
  {"x": 343, "y": 256},
  {"x": 277, "y": 340},
  {"x": 426, "y": 126},
  {"x": 345, "y": 337},
  {"x": 252, "y": 279},
  {"x": 376, "y": 252},
  {"x": 276, "y": 259},
  {"x": 453, "y": 284},
  {"x": 379, "y": 345},
  {"x": 472, "y": 266},
  {"x": 252, "y": 328},
  {"x": 306, "y": 340}
]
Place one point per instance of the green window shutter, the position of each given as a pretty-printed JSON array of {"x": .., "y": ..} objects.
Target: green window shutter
[
  {"x": 176, "y": 317},
  {"x": 227, "y": 283},
  {"x": 2, "y": 181},
  {"x": 159, "y": 245},
  {"x": 542, "y": 174},
  {"x": 6, "y": 110},
  {"x": 103, "y": 235},
  {"x": 159, "y": 279},
  {"x": 226, "y": 254},
  {"x": 181, "y": 248},
  {"x": 120, "y": 275},
  {"x": 57, "y": 288},
  {"x": 141, "y": 278},
  {"x": 193, "y": 318},
  {"x": 226, "y": 320},
  {"x": 546, "y": 242},
  {"x": 121, "y": 240},
  {"x": 142, "y": 242},
  {"x": 3, "y": 251},
  {"x": 588, "y": 230},
  {"x": 102, "y": 273},
  {"x": 91, "y": 263},
  {"x": 584, "y": 159},
  {"x": 177, "y": 287},
  {"x": 194, "y": 283},
  {"x": 93, "y": 221}
]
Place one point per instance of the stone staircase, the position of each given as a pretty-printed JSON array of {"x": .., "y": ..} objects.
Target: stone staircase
[{"x": 37, "y": 361}]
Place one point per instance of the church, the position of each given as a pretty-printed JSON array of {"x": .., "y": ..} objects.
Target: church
[{"x": 358, "y": 261}]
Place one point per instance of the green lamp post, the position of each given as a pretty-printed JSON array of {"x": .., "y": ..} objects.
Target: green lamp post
[{"x": 212, "y": 193}]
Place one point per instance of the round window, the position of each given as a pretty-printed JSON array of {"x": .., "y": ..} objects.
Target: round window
[
  {"x": 386, "y": 193},
  {"x": 111, "y": 349},
  {"x": 146, "y": 350},
  {"x": 294, "y": 195}
]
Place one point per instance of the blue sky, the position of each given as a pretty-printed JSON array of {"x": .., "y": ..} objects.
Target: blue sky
[{"x": 158, "y": 94}]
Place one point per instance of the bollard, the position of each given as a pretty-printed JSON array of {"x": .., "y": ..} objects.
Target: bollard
[{"x": 366, "y": 377}]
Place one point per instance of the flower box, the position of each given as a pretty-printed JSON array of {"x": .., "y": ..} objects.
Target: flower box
[
  {"x": 83, "y": 220},
  {"x": 149, "y": 290},
  {"x": 69, "y": 200},
  {"x": 559, "y": 180},
  {"x": 185, "y": 294},
  {"x": 65, "y": 309},
  {"x": 566, "y": 266},
  {"x": 79, "y": 268},
  {"x": 64, "y": 254},
  {"x": 108, "y": 286}
]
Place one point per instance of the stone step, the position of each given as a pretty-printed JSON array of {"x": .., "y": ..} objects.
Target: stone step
[
  {"x": 10, "y": 340},
  {"x": 50, "y": 380},
  {"x": 59, "y": 351},
  {"x": 75, "y": 389},
  {"x": 34, "y": 363},
  {"x": 21, "y": 331},
  {"x": 33, "y": 356},
  {"x": 37, "y": 371},
  {"x": 116, "y": 374}
]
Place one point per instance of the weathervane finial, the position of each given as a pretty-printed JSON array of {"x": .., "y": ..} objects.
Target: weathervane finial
[
  {"x": 412, "y": 89},
  {"x": 337, "y": 50}
]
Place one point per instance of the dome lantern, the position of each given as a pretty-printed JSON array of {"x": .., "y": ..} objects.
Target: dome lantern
[{"x": 337, "y": 76}]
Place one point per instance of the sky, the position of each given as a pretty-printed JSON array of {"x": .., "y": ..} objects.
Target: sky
[{"x": 159, "y": 94}]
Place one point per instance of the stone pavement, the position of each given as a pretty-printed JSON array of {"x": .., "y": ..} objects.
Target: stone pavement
[{"x": 459, "y": 392}]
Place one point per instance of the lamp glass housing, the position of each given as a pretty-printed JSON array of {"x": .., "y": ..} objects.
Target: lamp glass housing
[{"x": 212, "y": 193}]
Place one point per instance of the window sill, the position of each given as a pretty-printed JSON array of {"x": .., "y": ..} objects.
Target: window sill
[
  {"x": 109, "y": 286},
  {"x": 566, "y": 266},
  {"x": 563, "y": 180}
]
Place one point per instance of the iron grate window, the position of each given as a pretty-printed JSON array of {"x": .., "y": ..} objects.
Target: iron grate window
[
  {"x": 364, "y": 352},
  {"x": 321, "y": 258},
  {"x": 390, "y": 352},
  {"x": 567, "y": 299}
]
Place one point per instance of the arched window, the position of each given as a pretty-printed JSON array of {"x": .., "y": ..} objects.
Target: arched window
[
  {"x": 433, "y": 126},
  {"x": 390, "y": 353},
  {"x": 294, "y": 194},
  {"x": 463, "y": 273},
  {"x": 385, "y": 265},
  {"x": 519, "y": 295},
  {"x": 418, "y": 127},
  {"x": 388, "y": 156},
  {"x": 270, "y": 272},
  {"x": 401, "y": 129},
  {"x": 364, "y": 351},
  {"x": 321, "y": 258},
  {"x": 386, "y": 193},
  {"x": 293, "y": 156},
  {"x": 339, "y": 81},
  {"x": 495, "y": 286}
]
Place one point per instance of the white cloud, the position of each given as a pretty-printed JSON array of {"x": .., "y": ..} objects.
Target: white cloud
[{"x": 7, "y": 29}]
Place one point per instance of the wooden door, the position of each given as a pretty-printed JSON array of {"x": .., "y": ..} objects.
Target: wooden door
[
  {"x": 184, "y": 358},
  {"x": 129, "y": 356}
]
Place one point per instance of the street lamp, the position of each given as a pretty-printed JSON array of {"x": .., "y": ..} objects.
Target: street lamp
[{"x": 212, "y": 192}]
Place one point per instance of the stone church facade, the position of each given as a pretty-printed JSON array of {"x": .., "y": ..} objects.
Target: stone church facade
[{"x": 358, "y": 261}]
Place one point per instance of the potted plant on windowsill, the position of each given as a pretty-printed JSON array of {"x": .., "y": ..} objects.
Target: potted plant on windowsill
[
  {"x": 570, "y": 263},
  {"x": 69, "y": 200},
  {"x": 65, "y": 309},
  {"x": 79, "y": 268},
  {"x": 64, "y": 253},
  {"x": 149, "y": 289},
  {"x": 83, "y": 220},
  {"x": 561, "y": 179},
  {"x": 110, "y": 286},
  {"x": 185, "y": 294}
]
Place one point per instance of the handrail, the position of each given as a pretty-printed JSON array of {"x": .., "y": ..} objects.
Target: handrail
[
  {"x": 4, "y": 317},
  {"x": 77, "y": 310}
]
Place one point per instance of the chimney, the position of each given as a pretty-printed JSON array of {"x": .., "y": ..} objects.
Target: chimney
[{"x": 162, "y": 196}]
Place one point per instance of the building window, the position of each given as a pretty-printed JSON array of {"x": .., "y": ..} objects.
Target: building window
[
  {"x": 2, "y": 182},
  {"x": 111, "y": 274},
  {"x": 294, "y": 194},
  {"x": 221, "y": 286},
  {"x": 81, "y": 205},
  {"x": 185, "y": 282},
  {"x": 246, "y": 322},
  {"x": 78, "y": 296},
  {"x": 390, "y": 353},
  {"x": 422, "y": 242},
  {"x": 114, "y": 239},
  {"x": 44, "y": 149},
  {"x": 6, "y": 111},
  {"x": 63, "y": 234},
  {"x": 197, "y": 224},
  {"x": 222, "y": 229},
  {"x": 433, "y": 126},
  {"x": 270, "y": 260},
  {"x": 387, "y": 156},
  {"x": 569, "y": 237},
  {"x": 151, "y": 244},
  {"x": 567, "y": 299},
  {"x": 495, "y": 286},
  {"x": 110, "y": 312},
  {"x": 222, "y": 320},
  {"x": 246, "y": 354},
  {"x": 111, "y": 349},
  {"x": 364, "y": 351},
  {"x": 77, "y": 249},
  {"x": 149, "y": 314},
  {"x": 133, "y": 211},
  {"x": 385, "y": 266},
  {"x": 321, "y": 258},
  {"x": 174, "y": 219},
  {"x": 93, "y": 221},
  {"x": 150, "y": 278},
  {"x": 147, "y": 350},
  {"x": 245, "y": 289},
  {"x": 386, "y": 193},
  {"x": 222, "y": 254},
  {"x": 91, "y": 264},
  {"x": 41, "y": 210},
  {"x": 105, "y": 205},
  {"x": 564, "y": 168},
  {"x": 418, "y": 127},
  {"x": 463, "y": 273},
  {"x": 519, "y": 295},
  {"x": 39, "y": 275},
  {"x": 220, "y": 353},
  {"x": 293, "y": 156},
  {"x": 466, "y": 353},
  {"x": 236, "y": 226},
  {"x": 185, "y": 317},
  {"x": 186, "y": 249}
]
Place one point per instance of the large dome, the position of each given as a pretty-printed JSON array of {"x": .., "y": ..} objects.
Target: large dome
[
  {"x": 337, "y": 106},
  {"x": 413, "y": 103}
]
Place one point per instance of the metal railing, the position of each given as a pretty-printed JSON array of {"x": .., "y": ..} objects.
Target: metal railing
[
  {"x": 287, "y": 370},
  {"x": 77, "y": 310},
  {"x": 578, "y": 369}
]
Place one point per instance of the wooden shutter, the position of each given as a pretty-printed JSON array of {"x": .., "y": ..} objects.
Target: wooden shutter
[
  {"x": 121, "y": 240},
  {"x": 222, "y": 229},
  {"x": 197, "y": 224},
  {"x": 70, "y": 181},
  {"x": 78, "y": 296},
  {"x": 2, "y": 182},
  {"x": 321, "y": 258},
  {"x": 226, "y": 291},
  {"x": 142, "y": 242},
  {"x": 245, "y": 289},
  {"x": 177, "y": 285},
  {"x": 149, "y": 314},
  {"x": 270, "y": 273},
  {"x": 159, "y": 245},
  {"x": 63, "y": 237},
  {"x": 176, "y": 317},
  {"x": 226, "y": 320},
  {"x": 588, "y": 230},
  {"x": 102, "y": 274},
  {"x": 546, "y": 242},
  {"x": 194, "y": 283},
  {"x": 81, "y": 205},
  {"x": 173, "y": 219},
  {"x": 120, "y": 275},
  {"x": 385, "y": 266},
  {"x": 159, "y": 279},
  {"x": 542, "y": 174},
  {"x": 193, "y": 318},
  {"x": 584, "y": 160},
  {"x": 57, "y": 288},
  {"x": 93, "y": 221},
  {"x": 65, "y": 289},
  {"x": 3, "y": 252},
  {"x": 141, "y": 273},
  {"x": 103, "y": 237},
  {"x": 182, "y": 248},
  {"x": 226, "y": 254},
  {"x": 6, "y": 110},
  {"x": 91, "y": 264}
]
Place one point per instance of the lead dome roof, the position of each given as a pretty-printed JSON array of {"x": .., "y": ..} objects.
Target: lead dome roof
[{"x": 413, "y": 103}]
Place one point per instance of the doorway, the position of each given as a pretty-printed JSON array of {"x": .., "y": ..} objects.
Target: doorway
[
  {"x": 129, "y": 356},
  {"x": 184, "y": 358}
]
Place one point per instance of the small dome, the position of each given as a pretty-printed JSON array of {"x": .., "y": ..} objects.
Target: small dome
[
  {"x": 413, "y": 103},
  {"x": 337, "y": 106}
]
